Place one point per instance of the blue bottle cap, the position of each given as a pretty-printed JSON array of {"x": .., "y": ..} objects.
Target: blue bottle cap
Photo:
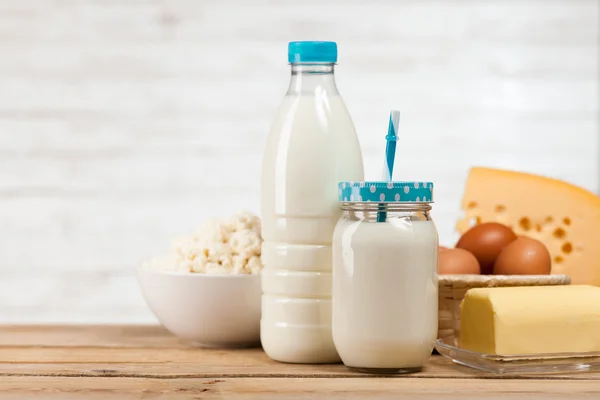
[
  {"x": 385, "y": 192},
  {"x": 306, "y": 52}
]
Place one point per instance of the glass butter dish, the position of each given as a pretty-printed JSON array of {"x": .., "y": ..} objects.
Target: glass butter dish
[{"x": 549, "y": 363}]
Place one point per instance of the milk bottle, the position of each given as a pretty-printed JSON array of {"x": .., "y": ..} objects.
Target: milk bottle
[{"x": 311, "y": 147}]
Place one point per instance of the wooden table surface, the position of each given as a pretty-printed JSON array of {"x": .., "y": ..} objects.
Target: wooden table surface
[{"x": 146, "y": 362}]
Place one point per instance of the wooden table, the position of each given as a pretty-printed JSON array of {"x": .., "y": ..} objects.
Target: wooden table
[{"x": 146, "y": 362}]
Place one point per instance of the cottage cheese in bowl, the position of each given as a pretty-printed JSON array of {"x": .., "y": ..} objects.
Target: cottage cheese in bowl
[
  {"x": 221, "y": 246},
  {"x": 207, "y": 290}
]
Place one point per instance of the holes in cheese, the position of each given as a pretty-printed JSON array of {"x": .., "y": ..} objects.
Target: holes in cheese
[
  {"x": 558, "y": 259},
  {"x": 566, "y": 218},
  {"x": 525, "y": 224},
  {"x": 500, "y": 208},
  {"x": 559, "y": 233}
]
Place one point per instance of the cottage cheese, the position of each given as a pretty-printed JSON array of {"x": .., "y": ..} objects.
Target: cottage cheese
[{"x": 220, "y": 246}]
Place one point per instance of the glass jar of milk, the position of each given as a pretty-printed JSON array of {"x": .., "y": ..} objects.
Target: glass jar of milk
[
  {"x": 311, "y": 147},
  {"x": 385, "y": 292}
]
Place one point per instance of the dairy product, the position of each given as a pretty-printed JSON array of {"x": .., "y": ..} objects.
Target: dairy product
[
  {"x": 312, "y": 146},
  {"x": 564, "y": 217},
  {"x": 531, "y": 319},
  {"x": 221, "y": 246},
  {"x": 385, "y": 294}
]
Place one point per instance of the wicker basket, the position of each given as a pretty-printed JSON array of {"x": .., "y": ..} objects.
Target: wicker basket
[{"x": 452, "y": 289}]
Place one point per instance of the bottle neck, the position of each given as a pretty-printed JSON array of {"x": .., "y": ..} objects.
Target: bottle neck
[
  {"x": 369, "y": 212},
  {"x": 312, "y": 79}
]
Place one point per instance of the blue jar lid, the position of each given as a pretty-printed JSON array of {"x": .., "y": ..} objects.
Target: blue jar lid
[
  {"x": 385, "y": 192},
  {"x": 299, "y": 52}
]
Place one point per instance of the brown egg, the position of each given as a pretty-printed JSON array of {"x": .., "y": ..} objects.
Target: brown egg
[
  {"x": 457, "y": 261},
  {"x": 442, "y": 248},
  {"x": 524, "y": 256},
  {"x": 485, "y": 241}
]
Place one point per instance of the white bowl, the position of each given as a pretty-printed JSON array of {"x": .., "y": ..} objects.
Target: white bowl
[{"x": 206, "y": 310}]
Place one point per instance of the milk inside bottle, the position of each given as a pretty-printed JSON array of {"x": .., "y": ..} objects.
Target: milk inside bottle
[{"x": 311, "y": 147}]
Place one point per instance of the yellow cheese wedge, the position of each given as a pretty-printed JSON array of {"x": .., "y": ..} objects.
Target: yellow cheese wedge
[
  {"x": 566, "y": 218},
  {"x": 531, "y": 319}
]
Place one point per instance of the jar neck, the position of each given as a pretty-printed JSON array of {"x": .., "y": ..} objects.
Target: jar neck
[
  {"x": 312, "y": 79},
  {"x": 371, "y": 212}
]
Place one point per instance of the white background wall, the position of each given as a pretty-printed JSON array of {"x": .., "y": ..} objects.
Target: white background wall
[{"x": 123, "y": 123}]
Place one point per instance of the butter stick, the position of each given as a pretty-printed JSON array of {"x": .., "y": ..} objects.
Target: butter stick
[{"x": 531, "y": 319}]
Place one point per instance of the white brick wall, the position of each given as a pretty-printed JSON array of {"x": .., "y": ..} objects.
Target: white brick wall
[{"x": 123, "y": 123}]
